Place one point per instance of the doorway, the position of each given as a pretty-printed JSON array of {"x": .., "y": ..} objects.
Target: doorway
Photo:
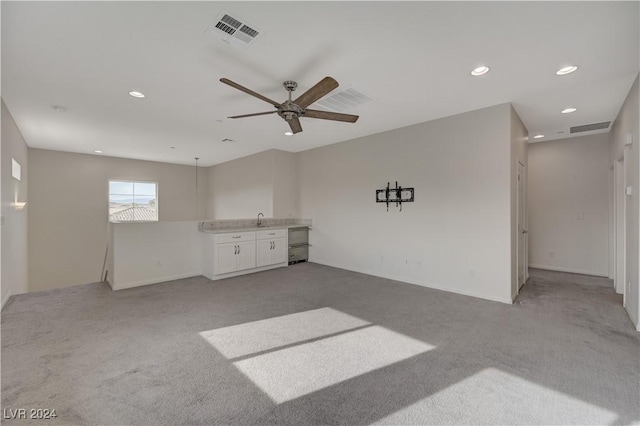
[
  {"x": 522, "y": 227},
  {"x": 620, "y": 227}
]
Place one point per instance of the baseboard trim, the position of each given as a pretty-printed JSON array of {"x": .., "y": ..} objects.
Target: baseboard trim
[
  {"x": 109, "y": 282},
  {"x": 634, "y": 321},
  {"x": 569, "y": 270},
  {"x": 411, "y": 281},
  {"x": 123, "y": 286},
  {"x": 246, "y": 271},
  {"x": 5, "y": 299}
]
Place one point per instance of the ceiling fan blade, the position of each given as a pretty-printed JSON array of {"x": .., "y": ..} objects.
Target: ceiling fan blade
[
  {"x": 326, "y": 115},
  {"x": 249, "y": 91},
  {"x": 253, "y": 115},
  {"x": 294, "y": 123},
  {"x": 323, "y": 87}
]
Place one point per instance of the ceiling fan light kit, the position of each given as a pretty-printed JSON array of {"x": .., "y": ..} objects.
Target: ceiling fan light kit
[{"x": 292, "y": 110}]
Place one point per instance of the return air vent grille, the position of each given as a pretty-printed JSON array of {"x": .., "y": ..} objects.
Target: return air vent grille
[
  {"x": 590, "y": 127},
  {"x": 343, "y": 100},
  {"x": 233, "y": 30}
]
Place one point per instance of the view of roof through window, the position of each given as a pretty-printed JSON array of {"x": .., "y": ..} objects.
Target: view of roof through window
[{"x": 133, "y": 201}]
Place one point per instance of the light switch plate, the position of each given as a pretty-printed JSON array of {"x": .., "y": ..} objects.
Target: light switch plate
[
  {"x": 629, "y": 190},
  {"x": 629, "y": 139}
]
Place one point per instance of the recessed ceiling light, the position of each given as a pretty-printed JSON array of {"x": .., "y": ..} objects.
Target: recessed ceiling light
[
  {"x": 288, "y": 133},
  {"x": 569, "y": 110},
  {"x": 566, "y": 70},
  {"x": 136, "y": 94},
  {"x": 480, "y": 70},
  {"x": 538, "y": 136},
  {"x": 97, "y": 151},
  {"x": 58, "y": 108}
]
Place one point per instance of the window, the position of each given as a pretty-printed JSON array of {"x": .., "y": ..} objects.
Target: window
[{"x": 133, "y": 201}]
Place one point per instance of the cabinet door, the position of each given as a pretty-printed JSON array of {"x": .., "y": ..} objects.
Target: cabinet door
[
  {"x": 264, "y": 253},
  {"x": 279, "y": 253},
  {"x": 226, "y": 260},
  {"x": 247, "y": 255}
]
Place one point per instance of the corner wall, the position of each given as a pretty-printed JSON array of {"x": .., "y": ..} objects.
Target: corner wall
[
  {"x": 456, "y": 236},
  {"x": 68, "y": 214},
  {"x": 628, "y": 122},
  {"x": 569, "y": 205},
  {"x": 14, "y": 250},
  {"x": 260, "y": 183}
]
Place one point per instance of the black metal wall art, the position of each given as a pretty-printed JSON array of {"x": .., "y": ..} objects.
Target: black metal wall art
[{"x": 396, "y": 195}]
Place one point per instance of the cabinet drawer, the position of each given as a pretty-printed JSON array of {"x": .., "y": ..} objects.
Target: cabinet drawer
[
  {"x": 234, "y": 237},
  {"x": 271, "y": 233}
]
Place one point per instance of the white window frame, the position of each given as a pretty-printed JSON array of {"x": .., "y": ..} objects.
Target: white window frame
[{"x": 133, "y": 195}]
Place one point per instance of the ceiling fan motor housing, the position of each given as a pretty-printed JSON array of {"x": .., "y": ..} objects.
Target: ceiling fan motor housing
[{"x": 288, "y": 110}]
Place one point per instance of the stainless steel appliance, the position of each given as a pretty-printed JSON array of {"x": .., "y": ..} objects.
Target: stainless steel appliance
[{"x": 298, "y": 244}]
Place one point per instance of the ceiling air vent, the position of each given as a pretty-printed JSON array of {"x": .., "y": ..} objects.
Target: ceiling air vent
[
  {"x": 590, "y": 127},
  {"x": 233, "y": 30},
  {"x": 343, "y": 100}
]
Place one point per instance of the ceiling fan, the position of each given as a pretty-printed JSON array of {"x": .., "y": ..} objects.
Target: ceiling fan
[{"x": 291, "y": 111}]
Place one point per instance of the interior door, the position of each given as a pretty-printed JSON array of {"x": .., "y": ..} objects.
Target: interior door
[
  {"x": 522, "y": 227},
  {"x": 263, "y": 255},
  {"x": 226, "y": 258},
  {"x": 246, "y": 255},
  {"x": 280, "y": 251}
]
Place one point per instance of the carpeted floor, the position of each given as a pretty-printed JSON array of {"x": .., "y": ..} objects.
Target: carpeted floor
[{"x": 312, "y": 344}]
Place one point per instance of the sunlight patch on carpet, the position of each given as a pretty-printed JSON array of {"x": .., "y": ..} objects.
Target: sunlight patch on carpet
[
  {"x": 495, "y": 397},
  {"x": 299, "y": 370},
  {"x": 257, "y": 336}
]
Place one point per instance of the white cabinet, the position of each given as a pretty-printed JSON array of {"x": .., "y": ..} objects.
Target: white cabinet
[
  {"x": 271, "y": 247},
  {"x": 234, "y": 252}
]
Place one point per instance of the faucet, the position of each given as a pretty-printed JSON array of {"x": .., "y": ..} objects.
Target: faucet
[{"x": 259, "y": 221}]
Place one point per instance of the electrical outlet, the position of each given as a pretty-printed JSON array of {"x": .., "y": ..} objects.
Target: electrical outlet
[
  {"x": 628, "y": 286},
  {"x": 381, "y": 259},
  {"x": 552, "y": 254}
]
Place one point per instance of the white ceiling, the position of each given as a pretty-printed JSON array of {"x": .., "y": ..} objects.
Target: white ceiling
[{"x": 412, "y": 58}]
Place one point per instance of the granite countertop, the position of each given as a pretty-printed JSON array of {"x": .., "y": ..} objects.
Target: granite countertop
[{"x": 253, "y": 228}]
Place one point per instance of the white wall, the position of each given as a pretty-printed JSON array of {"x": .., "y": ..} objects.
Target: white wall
[
  {"x": 68, "y": 210},
  {"x": 628, "y": 121},
  {"x": 147, "y": 253},
  {"x": 285, "y": 184},
  {"x": 264, "y": 182},
  {"x": 519, "y": 154},
  {"x": 455, "y": 236},
  {"x": 242, "y": 188},
  {"x": 568, "y": 205},
  {"x": 15, "y": 226}
]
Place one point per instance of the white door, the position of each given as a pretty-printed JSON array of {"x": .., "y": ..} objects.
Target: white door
[
  {"x": 263, "y": 254},
  {"x": 226, "y": 258},
  {"x": 280, "y": 251},
  {"x": 246, "y": 255},
  {"x": 522, "y": 227},
  {"x": 621, "y": 227}
]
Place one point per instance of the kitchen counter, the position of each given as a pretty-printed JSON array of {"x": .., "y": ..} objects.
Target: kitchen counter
[
  {"x": 249, "y": 229},
  {"x": 249, "y": 225}
]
